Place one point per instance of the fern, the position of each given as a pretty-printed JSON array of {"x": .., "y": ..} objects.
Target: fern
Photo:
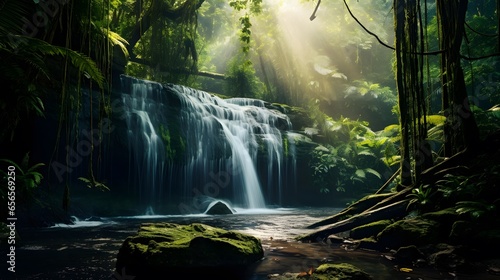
[{"x": 39, "y": 49}]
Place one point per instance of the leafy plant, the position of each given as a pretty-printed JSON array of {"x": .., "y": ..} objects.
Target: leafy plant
[
  {"x": 92, "y": 183},
  {"x": 458, "y": 187},
  {"x": 242, "y": 80},
  {"x": 420, "y": 198},
  {"x": 26, "y": 178},
  {"x": 352, "y": 159},
  {"x": 476, "y": 209}
]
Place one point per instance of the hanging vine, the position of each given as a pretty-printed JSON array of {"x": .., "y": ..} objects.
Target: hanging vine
[{"x": 410, "y": 47}]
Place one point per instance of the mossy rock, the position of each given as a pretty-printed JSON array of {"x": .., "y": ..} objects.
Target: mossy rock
[
  {"x": 191, "y": 250},
  {"x": 410, "y": 232},
  {"x": 341, "y": 271},
  {"x": 368, "y": 230},
  {"x": 370, "y": 243},
  {"x": 444, "y": 216}
]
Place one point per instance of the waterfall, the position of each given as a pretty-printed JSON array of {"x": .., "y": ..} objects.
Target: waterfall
[
  {"x": 147, "y": 152},
  {"x": 190, "y": 146}
]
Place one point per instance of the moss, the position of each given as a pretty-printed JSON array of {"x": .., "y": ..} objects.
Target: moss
[
  {"x": 173, "y": 141},
  {"x": 445, "y": 215},
  {"x": 285, "y": 146},
  {"x": 371, "y": 229},
  {"x": 370, "y": 243},
  {"x": 410, "y": 232},
  {"x": 168, "y": 245},
  {"x": 339, "y": 271}
]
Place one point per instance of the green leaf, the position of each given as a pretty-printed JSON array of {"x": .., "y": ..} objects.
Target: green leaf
[
  {"x": 373, "y": 172},
  {"x": 435, "y": 119},
  {"x": 360, "y": 173}
]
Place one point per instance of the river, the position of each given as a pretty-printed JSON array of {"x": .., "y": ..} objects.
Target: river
[{"x": 88, "y": 249}]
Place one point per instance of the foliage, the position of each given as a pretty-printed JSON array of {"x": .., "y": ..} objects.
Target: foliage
[
  {"x": 355, "y": 156},
  {"x": 242, "y": 80},
  {"x": 26, "y": 179},
  {"x": 25, "y": 59},
  {"x": 92, "y": 183},
  {"x": 369, "y": 101},
  {"x": 173, "y": 147},
  {"x": 420, "y": 198},
  {"x": 250, "y": 7},
  {"x": 488, "y": 120},
  {"x": 476, "y": 209}
]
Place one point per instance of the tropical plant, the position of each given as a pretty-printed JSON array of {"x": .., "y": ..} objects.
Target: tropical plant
[
  {"x": 24, "y": 178},
  {"x": 420, "y": 198},
  {"x": 477, "y": 209},
  {"x": 242, "y": 80},
  {"x": 354, "y": 157}
]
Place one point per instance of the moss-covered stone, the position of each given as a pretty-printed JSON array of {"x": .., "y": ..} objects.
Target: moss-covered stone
[
  {"x": 448, "y": 215},
  {"x": 410, "y": 232},
  {"x": 341, "y": 271},
  {"x": 371, "y": 229},
  {"x": 164, "y": 248},
  {"x": 370, "y": 243}
]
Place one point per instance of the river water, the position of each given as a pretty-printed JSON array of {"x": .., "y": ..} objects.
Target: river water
[{"x": 87, "y": 249}]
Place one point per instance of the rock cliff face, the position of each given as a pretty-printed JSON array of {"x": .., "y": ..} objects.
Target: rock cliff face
[
  {"x": 171, "y": 149},
  {"x": 183, "y": 144}
]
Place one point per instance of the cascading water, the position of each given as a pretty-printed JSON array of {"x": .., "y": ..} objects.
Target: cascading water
[
  {"x": 222, "y": 146},
  {"x": 147, "y": 152}
]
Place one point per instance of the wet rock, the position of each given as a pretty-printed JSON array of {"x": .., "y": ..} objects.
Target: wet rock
[
  {"x": 455, "y": 258},
  {"x": 328, "y": 271},
  {"x": 219, "y": 208},
  {"x": 341, "y": 271},
  {"x": 408, "y": 255},
  {"x": 194, "y": 250}
]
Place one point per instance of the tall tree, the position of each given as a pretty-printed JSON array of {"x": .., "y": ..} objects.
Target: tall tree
[
  {"x": 409, "y": 51},
  {"x": 460, "y": 129}
]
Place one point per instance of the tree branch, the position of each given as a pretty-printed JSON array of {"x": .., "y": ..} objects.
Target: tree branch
[
  {"x": 313, "y": 16},
  {"x": 382, "y": 42},
  {"x": 146, "y": 21}
]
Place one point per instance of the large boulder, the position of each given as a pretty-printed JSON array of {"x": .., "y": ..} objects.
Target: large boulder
[{"x": 194, "y": 250}]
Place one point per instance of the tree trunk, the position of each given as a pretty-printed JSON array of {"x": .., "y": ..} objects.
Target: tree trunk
[{"x": 460, "y": 128}]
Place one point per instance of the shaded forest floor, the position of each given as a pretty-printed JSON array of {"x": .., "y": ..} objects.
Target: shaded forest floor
[{"x": 449, "y": 220}]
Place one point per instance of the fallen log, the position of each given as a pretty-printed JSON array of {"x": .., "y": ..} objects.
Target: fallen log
[
  {"x": 396, "y": 210},
  {"x": 401, "y": 195},
  {"x": 353, "y": 209}
]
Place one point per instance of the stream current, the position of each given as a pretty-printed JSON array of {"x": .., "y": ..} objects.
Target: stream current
[{"x": 88, "y": 249}]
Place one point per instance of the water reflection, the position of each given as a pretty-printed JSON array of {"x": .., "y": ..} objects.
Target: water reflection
[{"x": 87, "y": 250}]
